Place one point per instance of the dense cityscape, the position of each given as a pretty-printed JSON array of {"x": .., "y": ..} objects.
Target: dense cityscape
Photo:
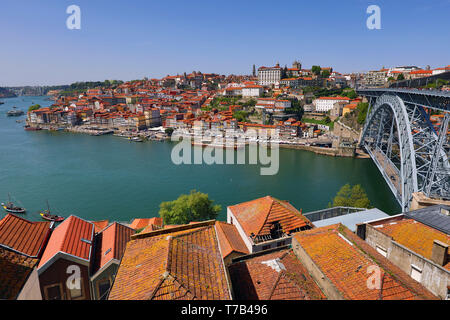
[{"x": 235, "y": 162}]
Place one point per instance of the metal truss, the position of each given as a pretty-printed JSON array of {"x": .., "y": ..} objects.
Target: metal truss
[{"x": 400, "y": 138}]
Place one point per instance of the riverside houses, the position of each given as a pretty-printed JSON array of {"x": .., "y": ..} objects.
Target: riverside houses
[
  {"x": 22, "y": 243},
  {"x": 69, "y": 250}
]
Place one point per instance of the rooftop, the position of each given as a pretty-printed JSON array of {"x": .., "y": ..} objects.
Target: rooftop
[
  {"x": 278, "y": 275},
  {"x": 435, "y": 216},
  {"x": 73, "y": 236},
  {"x": 258, "y": 216},
  {"x": 15, "y": 270},
  {"x": 229, "y": 239},
  {"x": 345, "y": 260},
  {"x": 110, "y": 244},
  {"x": 177, "y": 263},
  {"x": 23, "y": 236},
  {"x": 414, "y": 235}
]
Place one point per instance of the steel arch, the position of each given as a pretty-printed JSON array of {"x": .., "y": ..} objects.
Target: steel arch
[{"x": 389, "y": 105}]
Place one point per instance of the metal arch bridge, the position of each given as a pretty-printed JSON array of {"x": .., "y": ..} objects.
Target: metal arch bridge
[{"x": 411, "y": 153}]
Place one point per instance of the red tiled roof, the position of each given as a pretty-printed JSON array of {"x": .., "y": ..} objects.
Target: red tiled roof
[
  {"x": 100, "y": 225},
  {"x": 172, "y": 264},
  {"x": 15, "y": 270},
  {"x": 229, "y": 239},
  {"x": 110, "y": 244},
  {"x": 257, "y": 216},
  {"x": 345, "y": 260},
  {"x": 73, "y": 236},
  {"x": 415, "y": 236},
  {"x": 274, "y": 276},
  {"x": 140, "y": 223},
  {"x": 23, "y": 236}
]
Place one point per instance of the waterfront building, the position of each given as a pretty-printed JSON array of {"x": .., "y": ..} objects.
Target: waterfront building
[
  {"x": 266, "y": 222},
  {"x": 70, "y": 247},
  {"x": 417, "y": 242}
]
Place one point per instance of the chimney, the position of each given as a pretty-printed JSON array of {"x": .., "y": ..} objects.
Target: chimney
[{"x": 439, "y": 253}]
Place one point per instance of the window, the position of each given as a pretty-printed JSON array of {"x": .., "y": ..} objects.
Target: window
[
  {"x": 102, "y": 288},
  {"x": 266, "y": 247},
  {"x": 382, "y": 251},
  {"x": 53, "y": 292},
  {"x": 281, "y": 243},
  {"x": 76, "y": 293},
  {"x": 416, "y": 273}
]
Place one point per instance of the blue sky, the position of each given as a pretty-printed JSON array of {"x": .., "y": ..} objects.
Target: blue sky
[{"x": 133, "y": 39}]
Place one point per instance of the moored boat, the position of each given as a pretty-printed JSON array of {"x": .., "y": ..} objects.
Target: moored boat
[
  {"x": 12, "y": 208},
  {"x": 14, "y": 112},
  {"x": 50, "y": 217}
]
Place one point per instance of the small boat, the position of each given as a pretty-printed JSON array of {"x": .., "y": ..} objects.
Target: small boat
[
  {"x": 14, "y": 112},
  {"x": 29, "y": 128},
  {"x": 50, "y": 217},
  {"x": 11, "y": 208},
  {"x": 136, "y": 139}
]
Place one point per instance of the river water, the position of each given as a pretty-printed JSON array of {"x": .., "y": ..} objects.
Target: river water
[{"x": 108, "y": 177}]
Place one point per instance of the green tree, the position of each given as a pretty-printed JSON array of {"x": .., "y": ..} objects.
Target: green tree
[
  {"x": 169, "y": 131},
  {"x": 195, "y": 206},
  {"x": 34, "y": 107},
  {"x": 362, "y": 114},
  {"x": 325, "y": 73},
  {"x": 349, "y": 196},
  {"x": 316, "y": 70},
  {"x": 400, "y": 77}
]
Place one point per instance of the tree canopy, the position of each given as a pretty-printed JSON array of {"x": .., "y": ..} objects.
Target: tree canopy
[
  {"x": 195, "y": 206},
  {"x": 34, "y": 107},
  {"x": 349, "y": 196},
  {"x": 316, "y": 70}
]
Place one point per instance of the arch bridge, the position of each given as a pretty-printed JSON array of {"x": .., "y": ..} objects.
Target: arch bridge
[{"x": 410, "y": 150}]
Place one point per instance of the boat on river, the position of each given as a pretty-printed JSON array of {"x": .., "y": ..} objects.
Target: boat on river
[
  {"x": 46, "y": 214},
  {"x": 14, "y": 112},
  {"x": 11, "y": 207}
]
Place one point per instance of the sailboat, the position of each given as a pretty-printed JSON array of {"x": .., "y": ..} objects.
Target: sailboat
[
  {"x": 11, "y": 208},
  {"x": 50, "y": 217}
]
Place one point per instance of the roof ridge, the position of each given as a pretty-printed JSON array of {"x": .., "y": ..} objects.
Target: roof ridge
[{"x": 268, "y": 213}]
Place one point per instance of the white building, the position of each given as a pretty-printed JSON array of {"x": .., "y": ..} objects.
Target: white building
[
  {"x": 252, "y": 91},
  {"x": 272, "y": 105},
  {"x": 325, "y": 104},
  {"x": 268, "y": 76}
]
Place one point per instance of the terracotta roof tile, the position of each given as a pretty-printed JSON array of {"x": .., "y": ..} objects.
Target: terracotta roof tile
[
  {"x": 110, "y": 244},
  {"x": 229, "y": 239},
  {"x": 23, "y": 236},
  {"x": 274, "y": 276},
  {"x": 258, "y": 216},
  {"x": 345, "y": 259},
  {"x": 73, "y": 236},
  {"x": 15, "y": 270},
  {"x": 100, "y": 225},
  {"x": 172, "y": 264},
  {"x": 415, "y": 236},
  {"x": 140, "y": 223}
]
